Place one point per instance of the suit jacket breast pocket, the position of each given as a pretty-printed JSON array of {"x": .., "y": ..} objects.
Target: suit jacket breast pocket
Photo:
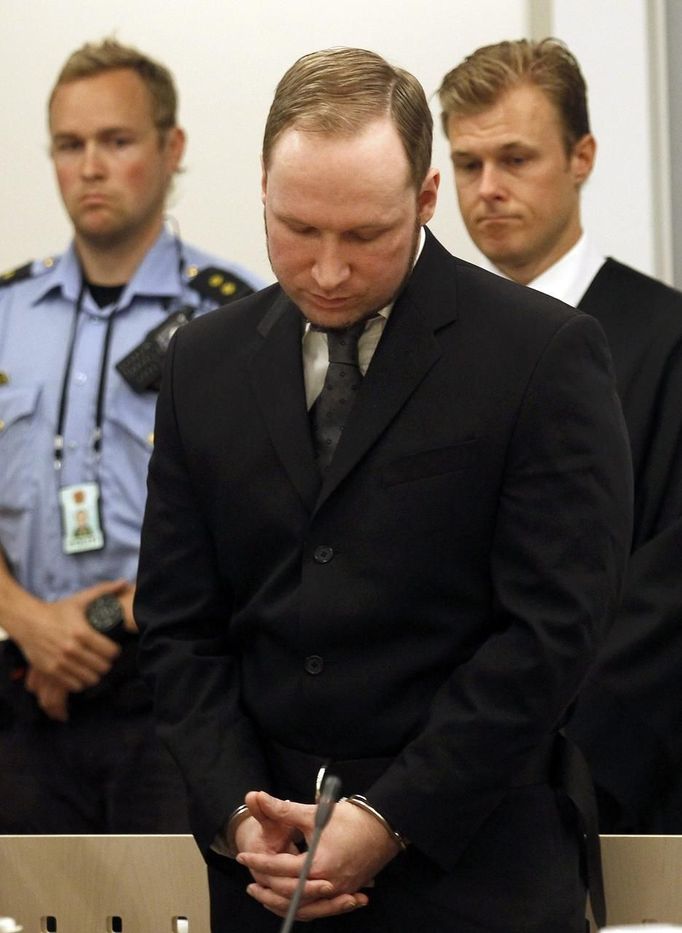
[{"x": 456, "y": 458}]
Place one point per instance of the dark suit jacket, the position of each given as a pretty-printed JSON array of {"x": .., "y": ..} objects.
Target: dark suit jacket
[
  {"x": 433, "y": 605},
  {"x": 629, "y": 717}
]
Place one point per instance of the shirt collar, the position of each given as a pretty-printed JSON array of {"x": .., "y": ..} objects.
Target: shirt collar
[
  {"x": 569, "y": 278},
  {"x": 158, "y": 275}
]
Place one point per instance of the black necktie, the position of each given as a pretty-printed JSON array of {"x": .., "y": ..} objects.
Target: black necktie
[{"x": 332, "y": 405}]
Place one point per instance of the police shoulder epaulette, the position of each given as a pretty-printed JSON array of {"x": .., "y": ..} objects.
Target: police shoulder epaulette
[
  {"x": 220, "y": 285},
  {"x": 16, "y": 275},
  {"x": 27, "y": 271}
]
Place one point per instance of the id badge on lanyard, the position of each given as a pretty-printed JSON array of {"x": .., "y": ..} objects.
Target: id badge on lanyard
[{"x": 81, "y": 518}]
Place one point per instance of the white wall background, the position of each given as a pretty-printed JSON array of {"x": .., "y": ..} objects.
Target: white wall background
[
  {"x": 672, "y": 36},
  {"x": 227, "y": 57},
  {"x": 611, "y": 40}
]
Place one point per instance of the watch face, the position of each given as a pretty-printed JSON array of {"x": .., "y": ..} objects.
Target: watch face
[{"x": 105, "y": 613}]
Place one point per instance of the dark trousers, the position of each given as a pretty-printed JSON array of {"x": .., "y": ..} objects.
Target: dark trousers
[
  {"x": 521, "y": 874},
  {"x": 104, "y": 771}
]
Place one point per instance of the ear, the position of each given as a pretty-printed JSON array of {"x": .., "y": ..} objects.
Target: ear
[
  {"x": 428, "y": 196},
  {"x": 263, "y": 180},
  {"x": 582, "y": 158},
  {"x": 175, "y": 148}
]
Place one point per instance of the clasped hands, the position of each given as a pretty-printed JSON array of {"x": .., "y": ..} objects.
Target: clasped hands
[{"x": 353, "y": 848}]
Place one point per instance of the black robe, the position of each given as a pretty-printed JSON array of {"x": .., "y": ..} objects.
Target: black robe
[{"x": 628, "y": 720}]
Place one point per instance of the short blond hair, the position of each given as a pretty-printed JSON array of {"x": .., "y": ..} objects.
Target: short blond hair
[
  {"x": 109, "y": 55},
  {"x": 342, "y": 90},
  {"x": 477, "y": 82}
]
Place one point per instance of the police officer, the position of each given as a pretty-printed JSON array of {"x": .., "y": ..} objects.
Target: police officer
[{"x": 82, "y": 338}]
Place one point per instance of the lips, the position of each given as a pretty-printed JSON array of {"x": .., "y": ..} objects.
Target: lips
[
  {"x": 328, "y": 303},
  {"x": 93, "y": 199},
  {"x": 496, "y": 219}
]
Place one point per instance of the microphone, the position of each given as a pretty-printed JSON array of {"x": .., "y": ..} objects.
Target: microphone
[{"x": 331, "y": 790}]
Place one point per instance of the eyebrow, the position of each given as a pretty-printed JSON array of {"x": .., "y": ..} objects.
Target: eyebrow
[
  {"x": 514, "y": 144},
  {"x": 104, "y": 131},
  {"x": 362, "y": 228}
]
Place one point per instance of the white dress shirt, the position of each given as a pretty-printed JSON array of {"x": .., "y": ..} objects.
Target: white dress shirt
[{"x": 570, "y": 277}]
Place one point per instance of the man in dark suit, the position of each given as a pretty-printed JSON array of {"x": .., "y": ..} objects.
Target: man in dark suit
[
  {"x": 517, "y": 119},
  {"x": 414, "y": 604}
]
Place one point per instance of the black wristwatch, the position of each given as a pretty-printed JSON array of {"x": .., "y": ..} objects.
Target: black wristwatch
[{"x": 105, "y": 615}]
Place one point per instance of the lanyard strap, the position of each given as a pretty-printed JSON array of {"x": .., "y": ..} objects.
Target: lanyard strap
[{"x": 96, "y": 439}]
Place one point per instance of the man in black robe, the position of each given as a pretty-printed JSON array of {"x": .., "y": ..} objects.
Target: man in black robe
[{"x": 517, "y": 120}]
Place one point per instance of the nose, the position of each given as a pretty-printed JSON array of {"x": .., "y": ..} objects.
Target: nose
[
  {"x": 330, "y": 268},
  {"x": 91, "y": 162},
  {"x": 490, "y": 186}
]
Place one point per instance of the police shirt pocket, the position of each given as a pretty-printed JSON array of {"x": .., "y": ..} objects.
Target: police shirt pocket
[
  {"x": 427, "y": 463},
  {"x": 17, "y": 447},
  {"x": 132, "y": 419},
  {"x": 126, "y": 447}
]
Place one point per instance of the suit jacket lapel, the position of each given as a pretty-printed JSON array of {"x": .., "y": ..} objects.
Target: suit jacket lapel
[{"x": 277, "y": 380}]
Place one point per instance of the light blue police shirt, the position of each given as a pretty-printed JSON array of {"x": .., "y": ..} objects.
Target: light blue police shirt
[{"x": 36, "y": 318}]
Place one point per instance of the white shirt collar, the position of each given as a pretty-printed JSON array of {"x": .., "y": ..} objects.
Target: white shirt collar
[{"x": 570, "y": 277}]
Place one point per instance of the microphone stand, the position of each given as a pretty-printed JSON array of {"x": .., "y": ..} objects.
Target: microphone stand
[{"x": 330, "y": 794}]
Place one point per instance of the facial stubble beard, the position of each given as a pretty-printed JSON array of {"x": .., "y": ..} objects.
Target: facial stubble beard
[{"x": 374, "y": 311}]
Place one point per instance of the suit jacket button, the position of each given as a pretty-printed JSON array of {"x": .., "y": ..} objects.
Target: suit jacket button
[
  {"x": 314, "y": 664},
  {"x": 323, "y": 554}
]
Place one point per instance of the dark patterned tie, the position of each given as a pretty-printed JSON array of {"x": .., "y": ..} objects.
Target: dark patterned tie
[{"x": 329, "y": 412}]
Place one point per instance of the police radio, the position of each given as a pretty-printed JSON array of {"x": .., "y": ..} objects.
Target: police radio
[{"x": 142, "y": 367}]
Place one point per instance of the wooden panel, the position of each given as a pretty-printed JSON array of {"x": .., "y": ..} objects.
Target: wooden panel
[
  {"x": 643, "y": 879},
  {"x": 149, "y": 882}
]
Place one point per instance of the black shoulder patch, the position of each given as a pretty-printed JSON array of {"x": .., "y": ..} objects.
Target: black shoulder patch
[
  {"x": 220, "y": 285},
  {"x": 16, "y": 275}
]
